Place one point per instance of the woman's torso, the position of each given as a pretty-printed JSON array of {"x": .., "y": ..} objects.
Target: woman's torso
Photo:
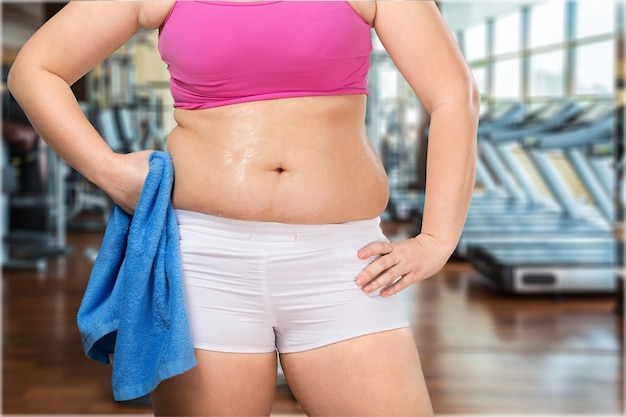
[{"x": 293, "y": 160}]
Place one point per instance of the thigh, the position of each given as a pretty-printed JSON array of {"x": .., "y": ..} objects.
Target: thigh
[
  {"x": 378, "y": 374},
  {"x": 223, "y": 384}
]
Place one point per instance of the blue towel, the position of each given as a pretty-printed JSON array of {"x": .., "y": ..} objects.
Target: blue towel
[{"x": 133, "y": 308}]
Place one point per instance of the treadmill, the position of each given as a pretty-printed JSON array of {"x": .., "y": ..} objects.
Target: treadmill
[
  {"x": 594, "y": 121},
  {"x": 570, "y": 222},
  {"x": 522, "y": 195},
  {"x": 493, "y": 187},
  {"x": 549, "y": 267},
  {"x": 498, "y": 144},
  {"x": 582, "y": 265},
  {"x": 405, "y": 205}
]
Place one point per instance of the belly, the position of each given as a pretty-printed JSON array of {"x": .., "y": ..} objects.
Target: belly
[{"x": 304, "y": 160}]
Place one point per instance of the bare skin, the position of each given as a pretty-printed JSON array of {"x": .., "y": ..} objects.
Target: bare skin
[
  {"x": 255, "y": 159},
  {"x": 296, "y": 160}
]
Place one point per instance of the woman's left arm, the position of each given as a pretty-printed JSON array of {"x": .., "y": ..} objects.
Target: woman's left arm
[{"x": 423, "y": 49}]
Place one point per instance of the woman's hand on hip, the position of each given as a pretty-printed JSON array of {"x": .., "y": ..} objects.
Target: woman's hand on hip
[
  {"x": 125, "y": 178},
  {"x": 402, "y": 263}
]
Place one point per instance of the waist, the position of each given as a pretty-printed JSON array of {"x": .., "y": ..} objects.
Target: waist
[
  {"x": 201, "y": 224},
  {"x": 304, "y": 160}
]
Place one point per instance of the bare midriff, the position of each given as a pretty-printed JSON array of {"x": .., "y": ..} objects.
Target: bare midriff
[{"x": 304, "y": 160}]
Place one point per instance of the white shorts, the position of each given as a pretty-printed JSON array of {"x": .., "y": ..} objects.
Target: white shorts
[{"x": 260, "y": 287}]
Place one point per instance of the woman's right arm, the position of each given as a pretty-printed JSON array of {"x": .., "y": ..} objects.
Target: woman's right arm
[{"x": 64, "y": 49}]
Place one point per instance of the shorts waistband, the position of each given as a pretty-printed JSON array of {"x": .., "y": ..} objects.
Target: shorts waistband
[{"x": 271, "y": 231}]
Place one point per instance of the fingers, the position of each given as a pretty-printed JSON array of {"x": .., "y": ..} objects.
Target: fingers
[
  {"x": 375, "y": 249},
  {"x": 385, "y": 270},
  {"x": 399, "y": 264},
  {"x": 395, "y": 288},
  {"x": 379, "y": 273},
  {"x": 379, "y": 268}
]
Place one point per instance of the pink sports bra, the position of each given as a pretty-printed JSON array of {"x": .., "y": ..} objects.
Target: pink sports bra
[{"x": 227, "y": 52}]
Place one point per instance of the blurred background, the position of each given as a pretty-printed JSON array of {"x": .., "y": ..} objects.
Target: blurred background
[{"x": 526, "y": 318}]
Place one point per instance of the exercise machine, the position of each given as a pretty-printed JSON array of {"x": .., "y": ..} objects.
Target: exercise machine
[
  {"x": 581, "y": 263},
  {"x": 570, "y": 218},
  {"x": 33, "y": 195}
]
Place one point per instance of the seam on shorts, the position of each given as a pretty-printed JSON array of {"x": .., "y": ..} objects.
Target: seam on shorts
[
  {"x": 346, "y": 336},
  {"x": 267, "y": 299},
  {"x": 232, "y": 349}
]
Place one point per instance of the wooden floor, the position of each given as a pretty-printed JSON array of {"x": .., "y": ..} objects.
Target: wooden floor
[{"x": 482, "y": 352}]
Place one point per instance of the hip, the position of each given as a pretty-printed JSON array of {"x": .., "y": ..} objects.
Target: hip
[{"x": 260, "y": 286}]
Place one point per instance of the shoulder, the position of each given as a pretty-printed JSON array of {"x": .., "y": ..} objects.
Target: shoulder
[{"x": 152, "y": 13}]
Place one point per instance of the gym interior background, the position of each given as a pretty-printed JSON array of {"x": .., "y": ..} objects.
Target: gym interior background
[{"x": 526, "y": 318}]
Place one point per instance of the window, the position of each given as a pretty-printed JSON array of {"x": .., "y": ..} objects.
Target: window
[
  {"x": 595, "y": 18},
  {"x": 475, "y": 41},
  {"x": 547, "y": 23},
  {"x": 547, "y": 74},
  {"x": 595, "y": 68},
  {"x": 507, "y": 79},
  {"x": 507, "y": 33}
]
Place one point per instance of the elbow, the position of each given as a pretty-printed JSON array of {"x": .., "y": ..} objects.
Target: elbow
[
  {"x": 461, "y": 97},
  {"x": 12, "y": 79},
  {"x": 474, "y": 99},
  {"x": 15, "y": 78},
  {"x": 474, "y": 114},
  {"x": 23, "y": 75}
]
